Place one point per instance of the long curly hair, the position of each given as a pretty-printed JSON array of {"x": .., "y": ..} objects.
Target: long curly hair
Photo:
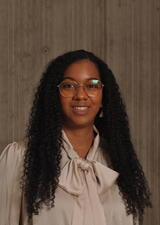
[{"x": 44, "y": 142}]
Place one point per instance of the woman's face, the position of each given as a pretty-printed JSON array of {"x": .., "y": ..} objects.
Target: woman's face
[{"x": 80, "y": 110}]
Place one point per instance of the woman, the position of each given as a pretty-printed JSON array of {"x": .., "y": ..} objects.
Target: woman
[{"x": 77, "y": 164}]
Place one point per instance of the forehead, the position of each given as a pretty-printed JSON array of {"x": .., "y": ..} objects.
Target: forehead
[{"x": 82, "y": 70}]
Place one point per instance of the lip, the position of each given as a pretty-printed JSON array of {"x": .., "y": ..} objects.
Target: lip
[
  {"x": 80, "y": 111},
  {"x": 80, "y": 105}
]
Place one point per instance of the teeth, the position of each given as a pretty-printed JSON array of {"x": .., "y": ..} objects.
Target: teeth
[{"x": 80, "y": 107}]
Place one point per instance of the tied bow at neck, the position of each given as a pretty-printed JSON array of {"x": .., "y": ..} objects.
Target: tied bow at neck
[{"x": 86, "y": 180}]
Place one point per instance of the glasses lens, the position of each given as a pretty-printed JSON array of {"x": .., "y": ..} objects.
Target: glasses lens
[
  {"x": 93, "y": 87},
  {"x": 67, "y": 88}
]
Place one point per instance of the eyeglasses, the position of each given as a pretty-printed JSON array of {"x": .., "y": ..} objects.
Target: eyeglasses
[{"x": 68, "y": 88}]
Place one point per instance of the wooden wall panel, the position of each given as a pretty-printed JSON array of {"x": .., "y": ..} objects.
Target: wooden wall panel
[{"x": 125, "y": 33}]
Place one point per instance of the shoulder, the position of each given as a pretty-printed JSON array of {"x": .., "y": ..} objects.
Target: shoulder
[{"x": 13, "y": 152}]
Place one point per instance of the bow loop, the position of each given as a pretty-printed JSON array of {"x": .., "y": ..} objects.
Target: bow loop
[
  {"x": 72, "y": 176},
  {"x": 106, "y": 177}
]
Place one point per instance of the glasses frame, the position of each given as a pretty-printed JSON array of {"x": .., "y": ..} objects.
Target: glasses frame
[{"x": 79, "y": 85}]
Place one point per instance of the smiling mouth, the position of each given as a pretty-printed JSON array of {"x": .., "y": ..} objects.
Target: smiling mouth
[
  {"x": 80, "y": 107},
  {"x": 80, "y": 110}
]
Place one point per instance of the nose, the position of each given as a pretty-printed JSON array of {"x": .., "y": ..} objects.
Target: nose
[{"x": 80, "y": 93}]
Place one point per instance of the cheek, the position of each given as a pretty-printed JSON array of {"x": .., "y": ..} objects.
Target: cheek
[
  {"x": 64, "y": 104},
  {"x": 98, "y": 101}
]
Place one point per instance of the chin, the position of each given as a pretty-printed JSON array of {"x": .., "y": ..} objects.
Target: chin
[{"x": 79, "y": 123}]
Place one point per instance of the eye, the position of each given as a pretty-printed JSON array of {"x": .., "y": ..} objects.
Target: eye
[
  {"x": 67, "y": 86},
  {"x": 93, "y": 84}
]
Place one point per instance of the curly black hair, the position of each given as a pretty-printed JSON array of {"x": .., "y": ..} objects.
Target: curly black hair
[{"x": 44, "y": 139}]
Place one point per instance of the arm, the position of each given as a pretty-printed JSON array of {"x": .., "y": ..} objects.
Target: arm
[{"x": 10, "y": 192}]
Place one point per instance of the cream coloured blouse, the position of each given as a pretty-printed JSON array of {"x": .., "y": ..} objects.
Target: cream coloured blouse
[{"x": 87, "y": 193}]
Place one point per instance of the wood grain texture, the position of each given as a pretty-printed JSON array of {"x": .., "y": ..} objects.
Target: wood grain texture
[{"x": 125, "y": 33}]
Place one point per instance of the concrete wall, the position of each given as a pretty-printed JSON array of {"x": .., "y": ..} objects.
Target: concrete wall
[{"x": 125, "y": 33}]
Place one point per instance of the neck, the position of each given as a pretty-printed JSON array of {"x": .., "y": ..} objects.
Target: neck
[{"x": 81, "y": 139}]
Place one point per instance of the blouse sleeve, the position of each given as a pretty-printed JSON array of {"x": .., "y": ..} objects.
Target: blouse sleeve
[{"x": 10, "y": 192}]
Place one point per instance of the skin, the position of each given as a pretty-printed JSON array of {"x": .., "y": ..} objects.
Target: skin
[{"x": 79, "y": 128}]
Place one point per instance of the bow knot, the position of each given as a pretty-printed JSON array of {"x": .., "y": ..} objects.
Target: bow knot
[{"x": 83, "y": 164}]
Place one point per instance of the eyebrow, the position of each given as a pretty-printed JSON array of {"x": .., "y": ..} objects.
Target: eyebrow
[{"x": 70, "y": 78}]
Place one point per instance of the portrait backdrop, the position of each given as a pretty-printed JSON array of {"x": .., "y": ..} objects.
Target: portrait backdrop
[{"x": 125, "y": 33}]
